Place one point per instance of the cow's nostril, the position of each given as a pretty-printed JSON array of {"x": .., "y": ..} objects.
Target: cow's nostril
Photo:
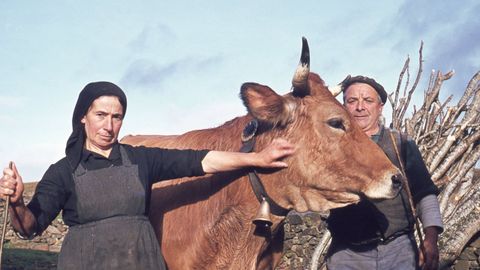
[{"x": 397, "y": 181}]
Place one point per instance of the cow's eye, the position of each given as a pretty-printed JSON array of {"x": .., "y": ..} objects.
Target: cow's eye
[{"x": 336, "y": 123}]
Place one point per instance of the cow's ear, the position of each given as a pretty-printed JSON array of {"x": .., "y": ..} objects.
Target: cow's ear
[{"x": 266, "y": 105}]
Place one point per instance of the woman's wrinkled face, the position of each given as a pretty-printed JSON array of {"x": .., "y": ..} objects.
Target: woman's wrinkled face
[{"x": 103, "y": 122}]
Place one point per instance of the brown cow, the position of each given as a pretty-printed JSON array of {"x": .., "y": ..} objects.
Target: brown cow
[{"x": 206, "y": 222}]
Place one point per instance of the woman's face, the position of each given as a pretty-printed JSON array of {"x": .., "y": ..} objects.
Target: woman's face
[{"x": 102, "y": 123}]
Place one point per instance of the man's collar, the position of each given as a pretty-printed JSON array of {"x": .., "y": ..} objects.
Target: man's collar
[{"x": 377, "y": 135}]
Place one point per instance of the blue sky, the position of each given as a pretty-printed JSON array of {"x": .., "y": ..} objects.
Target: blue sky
[{"x": 181, "y": 63}]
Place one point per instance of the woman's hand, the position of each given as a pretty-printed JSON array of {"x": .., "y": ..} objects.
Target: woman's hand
[
  {"x": 21, "y": 218},
  {"x": 11, "y": 184},
  {"x": 272, "y": 155}
]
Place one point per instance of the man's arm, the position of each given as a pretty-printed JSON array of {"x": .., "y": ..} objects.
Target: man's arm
[
  {"x": 424, "y": 194},
  {"x": 429, "y": 213}
]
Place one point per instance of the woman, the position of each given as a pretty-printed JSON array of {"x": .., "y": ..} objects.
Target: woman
[{"x": 103, "y": 187}]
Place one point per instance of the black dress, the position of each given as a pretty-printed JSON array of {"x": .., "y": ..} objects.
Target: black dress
[{"x": 110, "y": 228}]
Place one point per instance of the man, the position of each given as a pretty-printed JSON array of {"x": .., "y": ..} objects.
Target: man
[{"x": 379, "y": 235}]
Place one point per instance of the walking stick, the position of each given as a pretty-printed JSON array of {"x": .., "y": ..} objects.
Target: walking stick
[
  {"x": 5, "y": 218},
  {"x": 409, "y": 193}
]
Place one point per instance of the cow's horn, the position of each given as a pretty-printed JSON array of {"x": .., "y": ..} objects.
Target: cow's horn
[
  {"x": 335, "y": 90},
  {"x": 300, "y": 78}
]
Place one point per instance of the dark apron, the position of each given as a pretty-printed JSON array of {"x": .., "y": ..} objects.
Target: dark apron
[{"x": 114, "y": 232}]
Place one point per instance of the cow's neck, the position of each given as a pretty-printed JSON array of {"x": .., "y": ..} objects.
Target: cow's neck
[
  {"x": 224, "y": 220},
  {"x": 224, "y": 208},
  {"x": 248, "y": 143},
  {"x": 246, "y": 242}
]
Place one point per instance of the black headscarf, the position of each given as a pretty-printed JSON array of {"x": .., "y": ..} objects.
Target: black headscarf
[{"x": 86, "y": 97}]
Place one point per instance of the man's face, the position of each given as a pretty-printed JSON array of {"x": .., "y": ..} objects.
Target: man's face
[
  {"x": 103, "y": 122},
  {"x": 364, "y": 104}
]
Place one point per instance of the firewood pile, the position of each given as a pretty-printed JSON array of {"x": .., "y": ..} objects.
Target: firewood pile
[{"x": 448, "y": 137}]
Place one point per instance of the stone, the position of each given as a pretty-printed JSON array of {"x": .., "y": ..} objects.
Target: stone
[
  {"x": 461, "y": 265},
  {"x": 314, "y": 241},
  {"x": 51, "y": 241},
  {"x": 295, "y": 219},
  {"x": 289, "y": 254},
  {"x": 290, "y": 235},
  {"x": 312, "y": 231},
  {"x": 305, "y": 238},
  {"x": 298, "y": 229},
  {"x": 53, "y": 230},
  {"x": 287, "y": 245},
  {"x": 476, "y": 243},
  {"x": 468, "y": 254},
  {"x": 55, "y": 248},
  {"x": 313, "y": 217},
  {"x": 42, "y": 247}
]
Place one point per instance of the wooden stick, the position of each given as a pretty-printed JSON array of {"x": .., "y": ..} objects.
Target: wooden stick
[
  {"x": 5, "y": 219},
  {"x": 409, "y": 193}
]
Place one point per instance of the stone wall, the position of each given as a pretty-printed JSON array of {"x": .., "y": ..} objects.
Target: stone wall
[
  {"x": 303, "y": 232},
  {"x": 50, "y": 240},
  {"x": 469, "y": 259}
]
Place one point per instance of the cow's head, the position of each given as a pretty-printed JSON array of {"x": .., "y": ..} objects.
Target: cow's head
[{"x": 336, "y": 163}]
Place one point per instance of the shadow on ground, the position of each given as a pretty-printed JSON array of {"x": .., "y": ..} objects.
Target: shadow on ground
[{"x": 24, "y": 259}]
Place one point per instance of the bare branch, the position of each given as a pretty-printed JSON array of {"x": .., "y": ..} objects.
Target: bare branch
[
  {"x": 417, "y": 79},
  {"x": 455, "y": 154}
]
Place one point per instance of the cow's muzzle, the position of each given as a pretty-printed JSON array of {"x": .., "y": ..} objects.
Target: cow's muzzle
[
  {"x": 397, "y": 183},
  {"x": 387, "y": 187}
]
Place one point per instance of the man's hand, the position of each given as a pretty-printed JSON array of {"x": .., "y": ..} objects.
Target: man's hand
[{"x": 429, "y": 250}]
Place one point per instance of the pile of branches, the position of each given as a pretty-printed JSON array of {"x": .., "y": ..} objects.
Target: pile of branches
[{"x": 448, "y": 137}]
